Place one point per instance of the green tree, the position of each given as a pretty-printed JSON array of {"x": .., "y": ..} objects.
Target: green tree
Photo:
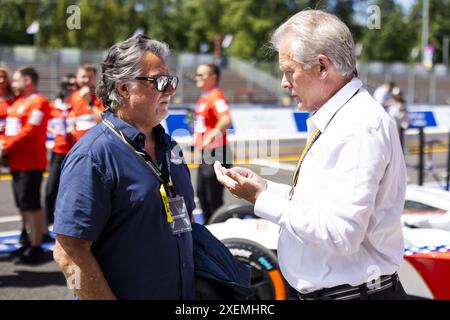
[
  {"x": 345, "y": 10},
  {"x": 15, "y": 17},
  {"x": 439, "y": 26},
  {"x": 392, "y": 42}
]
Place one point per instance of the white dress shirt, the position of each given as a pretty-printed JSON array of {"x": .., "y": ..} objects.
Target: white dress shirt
[{"x": 342, "y": 225}]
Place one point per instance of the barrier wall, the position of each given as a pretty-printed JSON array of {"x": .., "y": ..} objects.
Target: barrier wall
[
  {"x": 266, "y": 122},
  {"x": 260, "y": 122}
]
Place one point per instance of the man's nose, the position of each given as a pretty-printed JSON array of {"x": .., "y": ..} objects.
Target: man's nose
[
  {"x": 170, "y": 91},
  {"x": 285, "y": 84}
]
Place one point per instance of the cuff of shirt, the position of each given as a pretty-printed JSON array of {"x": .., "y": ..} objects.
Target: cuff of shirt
[
  {"x": 270, "y": 206},
  {"x": 279, "y": 189}
]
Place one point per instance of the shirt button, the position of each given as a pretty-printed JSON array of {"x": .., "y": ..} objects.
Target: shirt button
[{"x": 184, "y": 264}]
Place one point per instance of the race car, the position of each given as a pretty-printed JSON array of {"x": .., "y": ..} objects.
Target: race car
[{"x": 425, "y": 272}]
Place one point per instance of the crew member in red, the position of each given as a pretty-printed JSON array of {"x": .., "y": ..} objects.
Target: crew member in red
[
  {"x": 25, "y": 137},
  {"x": 86, "y": 107},
  {"x": 60, "y": 126},
  {"x": 212, "y": 119},
  {"x": 6, "y": 98}
]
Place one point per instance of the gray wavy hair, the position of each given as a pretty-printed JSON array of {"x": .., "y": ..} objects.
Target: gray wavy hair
[
  {"x": 123, "y": 63},
  {"x": 314, "y": 32}
]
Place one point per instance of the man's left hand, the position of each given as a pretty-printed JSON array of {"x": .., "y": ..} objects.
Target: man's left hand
[
  {"x": 209, "y": 138},
  {"x": 3, "y": 151},
  {"x": 241, "y": 186}
]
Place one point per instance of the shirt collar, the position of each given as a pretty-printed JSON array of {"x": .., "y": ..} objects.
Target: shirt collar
[
  {"x": 133, "y": 133},
  {"x": 323, "y": 116}
]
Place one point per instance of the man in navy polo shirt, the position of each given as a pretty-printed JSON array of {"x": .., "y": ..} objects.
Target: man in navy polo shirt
[{"x": 124, "y": 205}]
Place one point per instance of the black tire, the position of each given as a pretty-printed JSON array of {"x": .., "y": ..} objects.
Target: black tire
[
  {"x": 235, "y": 211},
  {"x": 267, "y": 281}
]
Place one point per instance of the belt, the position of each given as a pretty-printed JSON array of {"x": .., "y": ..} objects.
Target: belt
[{"x": 346, "y": 292}]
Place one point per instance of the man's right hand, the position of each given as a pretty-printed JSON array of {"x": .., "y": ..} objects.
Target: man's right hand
[
  {"x": 85, "y": 92},
  {"x": 241, "y": 182},
  {"x": 245, "y": 172}
]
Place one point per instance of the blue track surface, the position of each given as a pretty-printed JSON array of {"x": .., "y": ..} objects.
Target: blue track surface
[{"x": 11, "y": 242}]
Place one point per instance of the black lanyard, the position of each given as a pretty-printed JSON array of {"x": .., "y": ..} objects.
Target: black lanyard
[{"x": 163, "y": 176}]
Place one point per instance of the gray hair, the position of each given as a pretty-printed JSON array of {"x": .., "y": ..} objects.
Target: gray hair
[
  {"x": 315, "y": 32},
  {"x": 123, "y": 63}
]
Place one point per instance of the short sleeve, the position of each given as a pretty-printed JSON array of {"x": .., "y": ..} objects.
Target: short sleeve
[
  {"x": 40, "y": 111},
  {"x": 83, "y": 205},
  {"x": 220, "y": 104}
]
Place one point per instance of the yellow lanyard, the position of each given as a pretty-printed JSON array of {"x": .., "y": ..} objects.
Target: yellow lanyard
[
  {"x": 308, "y": 146},
  {"x": 165, "y": 200}
]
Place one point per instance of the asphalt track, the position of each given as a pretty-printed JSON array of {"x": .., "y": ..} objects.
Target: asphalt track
[{"x": 45, "y": 281}]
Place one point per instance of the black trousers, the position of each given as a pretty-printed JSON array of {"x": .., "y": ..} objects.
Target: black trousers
[
  {"x": 51, "y": 189},
  {"x": 209, "y": 190}
]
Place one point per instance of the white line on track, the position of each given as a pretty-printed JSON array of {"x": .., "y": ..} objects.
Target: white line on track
[
  {"x": 10, "y": 219},
  {"x": 9, "y": 233}
]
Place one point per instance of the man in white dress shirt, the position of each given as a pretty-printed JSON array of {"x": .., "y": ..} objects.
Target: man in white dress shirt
[{"x": 341, "y": 235}]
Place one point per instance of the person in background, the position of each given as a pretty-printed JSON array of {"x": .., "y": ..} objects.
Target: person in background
[
  {"x": 397, "y": 109},
  {"x": 60, "y": 126},
  {"x": 24, "y": 146},
  {"x": 211, "y": 121},
  {"x": 86, "y": 107},
  {"x": 69, "y": 82},
  {"x": 6, "y": 98},
  {"x": 384, "y": 93}
]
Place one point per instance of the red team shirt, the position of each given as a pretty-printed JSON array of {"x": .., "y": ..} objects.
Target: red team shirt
[
  {"x": 81, "y": 113},
  {"x": 62, "y": 126},
  {"x": 210, "y": 107},
  {"x": 26, "y": 133},
  {"x": 4, "y": 105}
]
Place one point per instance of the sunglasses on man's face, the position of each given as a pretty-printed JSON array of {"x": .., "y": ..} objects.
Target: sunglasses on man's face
[{"x": 162, "y": 82}]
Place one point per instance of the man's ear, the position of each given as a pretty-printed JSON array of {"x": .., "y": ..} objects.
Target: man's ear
[
  {"x": 123, "y": 90},
  {"x": 324, "y": 64}
]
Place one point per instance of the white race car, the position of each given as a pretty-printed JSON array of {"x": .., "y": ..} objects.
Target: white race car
[{"x": 425, "y": 272}]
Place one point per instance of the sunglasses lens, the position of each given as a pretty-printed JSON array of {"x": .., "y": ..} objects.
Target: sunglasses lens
[
  {"x": 174, "y": 82},
  {"x": 162, "y": 83}
]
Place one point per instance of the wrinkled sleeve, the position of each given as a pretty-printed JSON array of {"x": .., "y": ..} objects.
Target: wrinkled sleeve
[
  {"x": 278, "y": 189},
  {"x": 339, "y": 222},
  {"x": 83, "y": 205}
]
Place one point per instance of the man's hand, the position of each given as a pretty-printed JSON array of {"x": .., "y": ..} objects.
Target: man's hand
[
  {"x": 241, "y": 182},
  {"x": 217, "y": 133},
  {"x": 3, "y": 151},
  {"x": 85, "y": 92},
  {"x": 208, "y": 138}
]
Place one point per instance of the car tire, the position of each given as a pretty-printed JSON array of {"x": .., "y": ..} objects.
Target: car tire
[
  {"x": 239, "y": 211},
  {"x": 267, "y": 281}
]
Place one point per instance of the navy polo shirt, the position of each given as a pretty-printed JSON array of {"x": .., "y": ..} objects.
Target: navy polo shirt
[{"x": 111, "y": 197}]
